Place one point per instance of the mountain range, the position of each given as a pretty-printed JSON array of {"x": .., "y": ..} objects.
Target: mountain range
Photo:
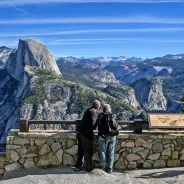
[{"x": 34, "y": 85}]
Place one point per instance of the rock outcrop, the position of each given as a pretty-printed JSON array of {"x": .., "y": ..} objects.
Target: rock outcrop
[
  {"x": 101, "y": 78},
  {"x": 149, "y": 93},
  {"x": 4, "y": 55},
  {"x": 15, "y": 80},
  {"x": 119, "y": 71},
  {"x": 123, "y": 92},
  {"x": 31, "y": 53}
]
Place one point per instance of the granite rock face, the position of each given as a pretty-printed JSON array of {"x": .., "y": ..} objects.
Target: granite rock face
[
  {"x": 101, "y": 78},
  {"x": 15, "y": 80},
  {"x": 4, "y": 55},
  {"x": 31, "y": 53},
  {"x": 123, "y": 92},
  {"x": 149, "y": 93},
  {"x": 58, "y": 99}
]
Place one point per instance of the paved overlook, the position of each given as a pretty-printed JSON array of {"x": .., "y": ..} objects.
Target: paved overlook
[{"x": 66, "y": 175}]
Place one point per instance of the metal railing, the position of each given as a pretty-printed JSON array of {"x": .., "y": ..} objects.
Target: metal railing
[
  {"x": 2, "y": 148},
  {"x": 25, "y": 123}
]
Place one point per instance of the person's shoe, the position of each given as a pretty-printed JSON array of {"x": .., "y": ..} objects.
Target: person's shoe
[
  {"x": 109, "y": 171},
  {"x": 89, "y": 170},
  {"x": 78, "y": 168},
  {"x": 103, "y": 169}
]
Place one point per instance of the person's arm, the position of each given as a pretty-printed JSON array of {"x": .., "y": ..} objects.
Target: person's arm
[
  {"x": 113, "y": 121},
  {"x": 93, "y": 116},
  {"x": 96, "y": 123}
]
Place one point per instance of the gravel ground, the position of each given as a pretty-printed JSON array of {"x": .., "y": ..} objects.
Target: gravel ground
[{"x": 66, "y": 175}]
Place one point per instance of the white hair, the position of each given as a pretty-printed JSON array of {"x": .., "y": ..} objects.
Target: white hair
[{"x": 106, "y": 108}]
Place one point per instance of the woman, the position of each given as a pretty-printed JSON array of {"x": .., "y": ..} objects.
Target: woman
[{"x": 107, "y": 132}]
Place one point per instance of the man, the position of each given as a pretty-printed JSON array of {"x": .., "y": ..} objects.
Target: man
[
  {"x": 107, "y": 132},
  {"x": 85, "y": 137}
]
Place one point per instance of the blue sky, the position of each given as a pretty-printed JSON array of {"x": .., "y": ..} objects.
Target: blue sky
[{"x": 91, "y": 28}]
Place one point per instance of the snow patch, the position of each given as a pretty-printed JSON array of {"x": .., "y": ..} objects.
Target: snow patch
[{"x": 159, "y": 68}]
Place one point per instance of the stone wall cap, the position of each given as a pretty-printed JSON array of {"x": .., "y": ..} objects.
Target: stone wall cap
[
  {"x": 58, "y": 134},
  {"x": 61, "y": 133}
]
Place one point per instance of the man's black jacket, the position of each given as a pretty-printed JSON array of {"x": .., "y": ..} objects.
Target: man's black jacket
[{"x": 87, "y": 123}]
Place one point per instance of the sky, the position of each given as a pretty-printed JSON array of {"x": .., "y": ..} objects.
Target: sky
[{"x": 93, "y": 28}]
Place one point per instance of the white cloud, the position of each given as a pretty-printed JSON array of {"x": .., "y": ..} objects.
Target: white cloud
[
  {"x": 79, "y": 20},
  {"x": 92, "y": 41},
  {"x": 24, "y": 12},
  {"x": 109, "y": 40},
  {"x": 92, "y": 31},
  {"x": 28, "y": 2}
]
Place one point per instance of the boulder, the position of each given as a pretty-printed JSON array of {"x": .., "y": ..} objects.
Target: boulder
[
  {"x": 120, "y": 164},
  {"x": 72, "y": 151},
  {"x": 29, "y": 163},
  {"x": 14, "y": 166},
  {"x": 173, "y": 163},
  {"x": 132, "y": 157},
  {"x": 14, "y": 156},
  {"x": 167, "y": 152},
  {"x": 144, "y": 153},
  {"x": 59, "y": 155},
  {"x": 154, "y": 156},
  {"x": 44, "y": 149},
  {"x": 158, "y": 147},
  {"x": 56, "y": 146},
  {"x": 68, "y": 160},
  {"x": 39, "y": 142},
  {"x": 159, "y": 164},
  {"x": 143, "y": 143}
]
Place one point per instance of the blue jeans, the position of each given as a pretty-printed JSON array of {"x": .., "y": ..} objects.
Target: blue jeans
[{"x": 106, "y": 149}]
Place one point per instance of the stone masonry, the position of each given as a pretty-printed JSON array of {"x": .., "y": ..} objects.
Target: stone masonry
[
  {"x": 146, "y": 150},
  {"x": 2, "y": 164}
]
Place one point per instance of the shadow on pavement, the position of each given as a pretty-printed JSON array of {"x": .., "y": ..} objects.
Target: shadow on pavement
[
  {"x": 163, "y": 174},
  {"x": 41, "y": 171}
]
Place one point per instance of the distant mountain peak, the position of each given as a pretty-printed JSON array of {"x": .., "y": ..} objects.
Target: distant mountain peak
[
  {"x": 4, "y": 47},
  {"x": 32, "y": 53}
]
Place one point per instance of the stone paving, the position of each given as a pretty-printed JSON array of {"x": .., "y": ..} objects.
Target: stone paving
[{"x": 64, "y": 174}]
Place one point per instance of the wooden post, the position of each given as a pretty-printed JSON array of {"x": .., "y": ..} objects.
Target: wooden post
[
  {"x": 24, "y": 126},
  {"x": 45, "y": 127},
  {"x": 138, "y": 126}
]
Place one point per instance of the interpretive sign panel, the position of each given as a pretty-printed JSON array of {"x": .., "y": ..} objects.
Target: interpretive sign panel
[{"x": 165, "y": 120}]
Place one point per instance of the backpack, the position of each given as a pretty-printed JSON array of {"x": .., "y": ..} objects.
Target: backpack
[
  {"x": 109, "y": 123},
  {"x": 113, "y": 125}
]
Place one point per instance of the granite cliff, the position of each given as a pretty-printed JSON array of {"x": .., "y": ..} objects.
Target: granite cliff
[
  {"x": 31, "y": 86},
  {"x": 15, "y": 80}
]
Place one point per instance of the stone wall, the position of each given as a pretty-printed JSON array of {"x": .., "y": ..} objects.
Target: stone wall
[
  {"x": 146, "y": 150},
  {"x": 2, "y": 164}
]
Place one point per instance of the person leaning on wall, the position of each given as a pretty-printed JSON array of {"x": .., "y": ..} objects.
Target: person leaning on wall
[
  {"x": 107, "y": 132},
  {"x": 85, "y": 137}
]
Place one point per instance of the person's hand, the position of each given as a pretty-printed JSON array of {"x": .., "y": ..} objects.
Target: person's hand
[
  {"x": 102, "y": 137},
  {"x": 111, "y": 117}
]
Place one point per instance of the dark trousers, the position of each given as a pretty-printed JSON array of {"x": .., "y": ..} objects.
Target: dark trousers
[
  {"x": 80, "y": 153},
  {"x": 87, "y": 144}
]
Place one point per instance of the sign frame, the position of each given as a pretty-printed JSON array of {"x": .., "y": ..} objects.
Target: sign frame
[{"x": 164, "y": 127}]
